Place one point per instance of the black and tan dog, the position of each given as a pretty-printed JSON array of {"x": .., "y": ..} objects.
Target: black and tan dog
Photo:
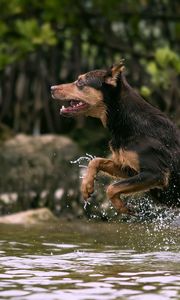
[{"x": 145, "y": 144}]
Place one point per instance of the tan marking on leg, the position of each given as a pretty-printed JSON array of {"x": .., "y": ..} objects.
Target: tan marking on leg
[
  {"x": 141, "y": 182},
  {"x": 96, "y": 165}
]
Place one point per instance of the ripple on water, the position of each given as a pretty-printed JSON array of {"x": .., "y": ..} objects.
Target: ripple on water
[{"x": 89, "y": 270}]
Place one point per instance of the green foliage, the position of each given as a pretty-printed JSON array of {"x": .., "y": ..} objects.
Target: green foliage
[
  {"x": 30, "y": 30},
  {"x": 163, "y": 69},
  {"x": 32, "y": 35},
  {"x": 163, "y": 81},
  {"x": 20, "y": 36},
  {"x": 166, "y": 57}
]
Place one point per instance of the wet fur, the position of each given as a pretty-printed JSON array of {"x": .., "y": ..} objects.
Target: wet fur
[{"x": 145, "y": 144}]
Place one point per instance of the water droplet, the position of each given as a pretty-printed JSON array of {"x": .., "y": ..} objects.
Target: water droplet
[{"x": 86, "y": 203}]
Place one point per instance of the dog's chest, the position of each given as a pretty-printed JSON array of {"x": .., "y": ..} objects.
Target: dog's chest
[{"x": 124, "y": 158}]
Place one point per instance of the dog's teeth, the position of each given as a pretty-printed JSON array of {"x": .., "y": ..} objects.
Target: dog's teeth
[{"x": 62, "y": 107}]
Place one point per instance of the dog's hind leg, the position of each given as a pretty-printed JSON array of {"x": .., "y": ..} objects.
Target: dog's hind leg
[{"x": 142, "y": 182}]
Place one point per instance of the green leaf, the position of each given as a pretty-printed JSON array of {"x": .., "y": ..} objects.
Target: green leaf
[
  {"x": 152, "y": 68},
  {"x": 165, "y": 56},
  {"x": 3, "y": 28},
  {"x": 145, "y": 91}
]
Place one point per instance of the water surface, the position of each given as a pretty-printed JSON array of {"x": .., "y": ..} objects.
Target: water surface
[{"x": 85, "y": 260}]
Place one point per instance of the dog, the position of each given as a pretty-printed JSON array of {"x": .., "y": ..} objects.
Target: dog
[{"x": 145, "y": 144}]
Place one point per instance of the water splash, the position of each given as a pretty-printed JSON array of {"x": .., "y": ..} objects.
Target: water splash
[
  {"x": 86, "y": 203},
  {"x": 87, "y": 158},
  {"x": 147, "y": 210},
  {"x": 82, "y": 162}
]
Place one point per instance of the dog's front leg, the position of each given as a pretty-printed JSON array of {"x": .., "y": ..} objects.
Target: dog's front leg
[{"x": 96, "y": 165}]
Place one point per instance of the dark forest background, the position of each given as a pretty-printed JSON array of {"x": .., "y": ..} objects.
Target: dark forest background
[{"x": 46, "y": 42}]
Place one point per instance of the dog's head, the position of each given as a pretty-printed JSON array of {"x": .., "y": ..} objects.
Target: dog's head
[{"x": 88, "y": 93}]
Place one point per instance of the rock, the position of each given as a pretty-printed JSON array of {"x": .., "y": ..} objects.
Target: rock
[
  {"x": 37, "y": 172},
  {"x": 32, "y": 216}
]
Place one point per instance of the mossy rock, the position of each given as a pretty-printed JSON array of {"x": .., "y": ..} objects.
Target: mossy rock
[{"x": 38, "y": 171}]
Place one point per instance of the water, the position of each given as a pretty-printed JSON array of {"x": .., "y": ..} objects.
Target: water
[{"x": 85, "y": 260}]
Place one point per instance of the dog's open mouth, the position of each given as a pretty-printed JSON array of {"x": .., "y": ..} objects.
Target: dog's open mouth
[{"x": 74, "y": 106}]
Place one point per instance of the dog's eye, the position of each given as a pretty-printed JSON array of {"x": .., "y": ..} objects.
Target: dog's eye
[{"x": 80, "y": 83}]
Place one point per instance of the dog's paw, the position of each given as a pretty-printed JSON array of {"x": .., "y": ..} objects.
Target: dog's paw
[{"x": 87, "y": 188}]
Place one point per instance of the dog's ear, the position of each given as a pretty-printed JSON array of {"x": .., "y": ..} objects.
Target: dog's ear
[
  {"x": 117, "y": 69},
  {"x": 114, "y": 73}
]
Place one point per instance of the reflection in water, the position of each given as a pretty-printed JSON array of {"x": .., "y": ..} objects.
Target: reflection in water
[{"x": 86, "y": 261}]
